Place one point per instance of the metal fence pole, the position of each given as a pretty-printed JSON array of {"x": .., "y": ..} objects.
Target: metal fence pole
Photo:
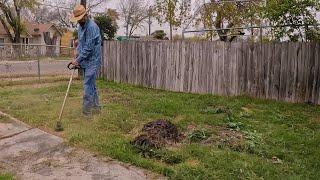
[
  {"x": 39, "y": 69},
  {"x": 38, "y": 57},
  {"x": 102, "y": 61}
]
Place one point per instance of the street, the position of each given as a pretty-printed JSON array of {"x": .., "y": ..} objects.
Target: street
[{"x": 30, "y": 68}]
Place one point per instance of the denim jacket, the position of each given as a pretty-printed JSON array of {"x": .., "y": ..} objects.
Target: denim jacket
[{"x": 89, "y": 45}]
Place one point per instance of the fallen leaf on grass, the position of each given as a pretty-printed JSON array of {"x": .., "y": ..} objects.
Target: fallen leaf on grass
[{"x": 276, "y": 160}]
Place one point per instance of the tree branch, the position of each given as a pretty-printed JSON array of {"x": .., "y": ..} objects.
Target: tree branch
[{"x": 6, "y": 28}]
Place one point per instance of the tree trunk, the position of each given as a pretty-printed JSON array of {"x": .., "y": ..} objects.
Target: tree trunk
[
  {"x": 7, "y": 29},
  {"x": 81, "y": 71},
  {"x": 127, "y": 29},
  {"x": 171, "y": 31},
  {"x": 18, "y": 28}
]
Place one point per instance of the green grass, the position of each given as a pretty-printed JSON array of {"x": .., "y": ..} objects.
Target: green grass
[
  {"x": 32, "y": 80},
  {"x": 6, "y": 176},
  {"x": 290, "y": 132}
]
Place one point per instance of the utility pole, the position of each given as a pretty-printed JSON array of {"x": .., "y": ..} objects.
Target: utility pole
[
  {"x": 80, "y": 71},
  {"x": 84, "y": 3},
  {"x": 149, "y": 21}
]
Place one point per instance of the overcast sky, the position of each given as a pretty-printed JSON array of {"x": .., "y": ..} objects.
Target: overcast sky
[
  {"x": 144, "y": 31},
  {"x": 155, "y": 26}
]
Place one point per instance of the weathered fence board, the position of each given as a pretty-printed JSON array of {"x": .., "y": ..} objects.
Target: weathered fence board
[{"x": 280, "y": 71}]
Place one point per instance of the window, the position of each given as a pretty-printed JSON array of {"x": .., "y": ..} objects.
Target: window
[{"x": 1, "y": 42}]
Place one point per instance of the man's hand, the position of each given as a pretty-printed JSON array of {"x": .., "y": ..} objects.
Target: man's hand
[
  {"x": 75, "y": 62},
  {"x": 76, "y": 54}
]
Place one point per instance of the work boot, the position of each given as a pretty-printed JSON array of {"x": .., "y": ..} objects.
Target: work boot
[
  {"x": 86, "y": 114},
  {"x": 96, "y": 110}
]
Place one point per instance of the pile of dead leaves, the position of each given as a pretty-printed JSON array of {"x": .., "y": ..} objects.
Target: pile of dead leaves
[{"x": 157, "y": 134}]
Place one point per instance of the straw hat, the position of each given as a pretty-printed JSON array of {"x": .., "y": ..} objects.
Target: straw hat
[{"x": 78, "y": 12}]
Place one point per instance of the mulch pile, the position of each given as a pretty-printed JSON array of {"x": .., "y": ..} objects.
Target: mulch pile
[{"x": 157, "y": 134}]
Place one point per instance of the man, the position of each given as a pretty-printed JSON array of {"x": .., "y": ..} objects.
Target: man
[{"x": 88, "y": 58}]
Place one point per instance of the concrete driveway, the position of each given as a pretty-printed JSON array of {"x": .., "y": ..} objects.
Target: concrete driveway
[{"x": 30, "y": 153}]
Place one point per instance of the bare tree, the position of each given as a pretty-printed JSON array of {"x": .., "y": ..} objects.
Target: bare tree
[
  {"x": 134, "y": 13},
  {"x": 95, "y": 3},
  {"x": 10, "y": 18},
  {"x": 59, "y": 11}
]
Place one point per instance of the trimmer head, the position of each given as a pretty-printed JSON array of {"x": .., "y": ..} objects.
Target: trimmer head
[{"x": 58, "y": 127}]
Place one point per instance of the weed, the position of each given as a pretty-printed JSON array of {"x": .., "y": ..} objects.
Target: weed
[
  {"x": 235, "y": 125},
  {"x": 198, "y": 135},
  {"x": 214, "y": 110}
]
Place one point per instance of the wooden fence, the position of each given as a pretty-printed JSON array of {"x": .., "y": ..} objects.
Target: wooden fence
[{"x": 282, "y": 71}]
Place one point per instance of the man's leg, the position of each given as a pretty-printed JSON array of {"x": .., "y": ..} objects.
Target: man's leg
[
  {"x": 88, "y": 97},
  {"x": 96, "y": 105}
]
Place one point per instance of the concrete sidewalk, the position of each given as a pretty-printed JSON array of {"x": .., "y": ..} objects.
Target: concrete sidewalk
[{"x": 30, "y": 153}]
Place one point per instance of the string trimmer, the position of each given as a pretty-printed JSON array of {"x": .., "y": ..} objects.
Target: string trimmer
[{"x": 59, "y": 126}]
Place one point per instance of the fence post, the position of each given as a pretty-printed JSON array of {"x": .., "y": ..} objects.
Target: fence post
[
  {"x": 38, "y": 57},
  {"x": 102, "y": 61},
  {"x": 20, "y": 53},
  {"x": 39, "y": 69},
  {"x": 11, "y": 49}
]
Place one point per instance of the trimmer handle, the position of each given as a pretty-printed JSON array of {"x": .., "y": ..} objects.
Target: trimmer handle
[{"x": 73, "y": 67}]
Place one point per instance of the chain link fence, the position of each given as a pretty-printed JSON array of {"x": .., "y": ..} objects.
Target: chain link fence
[{"x": 30, "y": 62}]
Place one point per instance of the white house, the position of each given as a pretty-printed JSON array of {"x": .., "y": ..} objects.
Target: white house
[{"x": 37, "y": 34}]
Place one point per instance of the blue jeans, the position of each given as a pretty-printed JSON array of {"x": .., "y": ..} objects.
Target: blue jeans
[{"x": 90, "y": 97}]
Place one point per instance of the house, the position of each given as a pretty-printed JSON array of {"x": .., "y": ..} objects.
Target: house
[
  {"x": 67, "y": 40},
  {"x": 5, "y": 38},
  {"x": 47, "y": 34},
  {"x": 33, "y": 34}
]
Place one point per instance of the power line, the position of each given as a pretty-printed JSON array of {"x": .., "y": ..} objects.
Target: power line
[
  {"x": 199, "y": 9},
  {"x": 235, "y": 1},
  {"x": 66, "y": 8},
  {"x": 254, "y": 27},
  {"x": 55, "y": 6}
]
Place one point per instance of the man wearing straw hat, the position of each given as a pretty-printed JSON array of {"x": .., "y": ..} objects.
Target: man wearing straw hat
[{"x": 88, "y": 57}]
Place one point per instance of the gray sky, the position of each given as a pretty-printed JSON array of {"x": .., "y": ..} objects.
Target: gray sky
[
  {"x": 114, "y": 4},
  {"x": 144, "y": 31},
  {"x": 155, "y": 26}
]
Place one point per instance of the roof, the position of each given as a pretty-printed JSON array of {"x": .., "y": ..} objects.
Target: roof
[
  {"x": 38, "y": 29},
  {"x": 2, "y": 30},
  {"x": 33, "y": 29}
]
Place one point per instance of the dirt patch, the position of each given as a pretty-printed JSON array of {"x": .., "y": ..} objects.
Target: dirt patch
[
  {"x": 157, "y": 134},
  {"x": 4, "y": 119},
  {"x": 178, "y": 119},
  {"x": 193, "y": 162},
  {"x": 218, "y": 136},
  {"x": 315, "y": 121},
  {"x": 225, "y": 137},
  {"x": 117, "y": 98}
]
